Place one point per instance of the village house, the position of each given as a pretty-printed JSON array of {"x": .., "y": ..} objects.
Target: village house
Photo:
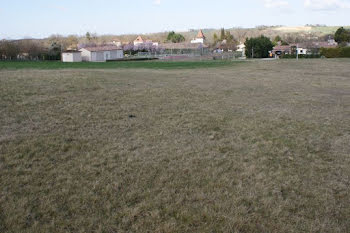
[
  {"x": 306, "y": 48},
  {"x": 139, "y": 41},
  {"x": 200, "y": 38},
  {"x": 101, "y": 53},
  {"x": 117, "y": 42}
]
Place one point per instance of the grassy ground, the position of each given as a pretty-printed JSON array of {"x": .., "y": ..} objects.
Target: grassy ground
[
  {"x": 257, "y": 147},
  {"x": 49, "y": 65}
]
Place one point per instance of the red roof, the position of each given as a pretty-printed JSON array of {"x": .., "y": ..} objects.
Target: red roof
[
  {"x": 139, "y": 39},
  {"x": 282, "y": 48},
  {"x": 200, "y": 35},
  {"x": 102, "y": 48}
]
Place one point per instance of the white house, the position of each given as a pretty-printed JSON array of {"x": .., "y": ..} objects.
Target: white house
[
  {"x": 71, "y": 56},
  {"x": 200, "y": 38},
  {"x": 139, "y": 41},
  {"x": 241, "y": 48},
  {"x": 101, "y": 53},
  {"x": 117, "y": 42}
]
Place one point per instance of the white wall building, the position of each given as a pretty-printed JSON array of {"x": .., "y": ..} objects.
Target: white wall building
[
  {"x": 241, "y": 48},
  {"x": 71, "y": 56},
  {"x": 101, "y": 53},
  {"x": 200, "y": 38},
  {"x": 302, "y": 51}
]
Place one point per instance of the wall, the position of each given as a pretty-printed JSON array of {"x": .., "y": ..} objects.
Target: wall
[
  {"x": 197, "y": 40},
  {"x": 116, "y": 54},
  {"x": 71, "y": 57},
  {"x": 85, "y": 55}
]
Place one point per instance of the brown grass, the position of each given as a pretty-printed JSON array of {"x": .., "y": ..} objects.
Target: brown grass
[{"x": 258, "y": 147}]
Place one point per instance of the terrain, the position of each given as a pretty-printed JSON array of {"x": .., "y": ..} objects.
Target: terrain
[{"x": 260, "y": 146}]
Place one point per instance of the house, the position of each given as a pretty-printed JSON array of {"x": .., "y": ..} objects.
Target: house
[
  {"x": 117, "y": 42},
  {"x": 155, "y": 44},
  {"x": 281, "y": 50},
  {"x": 241, "y": 48},
  {"x": 101, "y": 53},
  {"x": 306, "y": 48},
  {"x": 138, "y": 40},
  {"x": 71, "y": 56},
  {"x": 200, "y": 38}
]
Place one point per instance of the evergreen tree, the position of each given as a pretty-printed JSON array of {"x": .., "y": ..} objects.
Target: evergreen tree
[
  {"x": 258, "y": 47},
  {"x": 222, "y": 35}
]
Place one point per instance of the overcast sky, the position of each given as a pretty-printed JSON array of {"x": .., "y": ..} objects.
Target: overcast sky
[{"x": 41, "y": 18}]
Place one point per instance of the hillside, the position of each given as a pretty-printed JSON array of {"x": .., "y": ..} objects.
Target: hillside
[{"x": 287, "y": 33}]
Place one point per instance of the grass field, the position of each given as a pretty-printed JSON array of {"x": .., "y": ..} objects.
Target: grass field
[
  {"x": 259, "y": 146},
  {"x": 50, "y": 65}
]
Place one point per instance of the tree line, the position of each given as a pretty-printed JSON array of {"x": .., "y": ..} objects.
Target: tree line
[{"x": 33, "y": 49}]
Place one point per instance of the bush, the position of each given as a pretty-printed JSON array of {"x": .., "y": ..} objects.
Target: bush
[
  {"x": 335, "y": 52},
  {"x": 345, "y": 52},
  {"x": 302, "y": 56}
]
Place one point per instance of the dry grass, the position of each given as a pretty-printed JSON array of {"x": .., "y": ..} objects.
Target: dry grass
[{"x": 258, "y": 147}]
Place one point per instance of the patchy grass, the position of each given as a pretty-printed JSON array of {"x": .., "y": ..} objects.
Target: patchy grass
[
  {"x": 260, "y": 147},
  {"x": 49, "y": 65}
]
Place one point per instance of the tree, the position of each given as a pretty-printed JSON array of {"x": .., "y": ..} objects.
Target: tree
[
  {"x": 55, "y": 51},
  {"x": 175, "y": 37},
  {"x": 216, "y": 38},
  {"x": 228, "y": 37},
  {"x": 10, "y": 50},
  {"x": 71, "y": 42},
  {"x": 88, "y": 36},
  {"x": 277, "y": 39},
  {"x": 222, "y": 34},
  {"x": 342, "y": 35},
  {"x": 258, "y": 47}
]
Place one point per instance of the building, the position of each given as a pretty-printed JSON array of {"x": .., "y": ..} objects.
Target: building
[
  {"x": 306, "y": 48},
  {"x": 117, "y": 42},
  {"x": 156, "y": 44},
  {"x": 281, "y": 50},
  {"x": 71, "y": 56},
  {"x": 138, "y": 40},
  {"x": 200, "y": 38},
  {"x": 101, "y": 53},
  {"x": 241, "y": 49}
]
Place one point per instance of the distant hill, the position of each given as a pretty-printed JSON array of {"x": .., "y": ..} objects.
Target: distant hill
[{"x": 287, "y": 33}]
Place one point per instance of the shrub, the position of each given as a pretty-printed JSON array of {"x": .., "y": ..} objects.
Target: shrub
[
  {"x": 302, "y": 56},
  {"x": 335, "y": 52}
]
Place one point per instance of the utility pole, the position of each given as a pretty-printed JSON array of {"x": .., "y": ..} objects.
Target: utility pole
[{"x": 252, "y": 52}]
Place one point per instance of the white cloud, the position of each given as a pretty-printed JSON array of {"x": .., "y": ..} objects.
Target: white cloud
[
  {"x": 275, "y": 3},
  {"x": 157, "y": 2},
  {"x": 327, "y": 5}
]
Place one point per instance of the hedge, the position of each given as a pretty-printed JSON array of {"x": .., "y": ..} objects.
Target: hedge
[
  {"x": 335, "y": 52},
  {"x": 290, "y": 56}
]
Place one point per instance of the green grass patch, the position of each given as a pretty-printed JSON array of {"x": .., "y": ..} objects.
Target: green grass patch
[{"x": 49, "y": 65}]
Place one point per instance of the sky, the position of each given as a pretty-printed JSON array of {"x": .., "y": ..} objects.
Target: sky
[{"x": 42, "y": 18}]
